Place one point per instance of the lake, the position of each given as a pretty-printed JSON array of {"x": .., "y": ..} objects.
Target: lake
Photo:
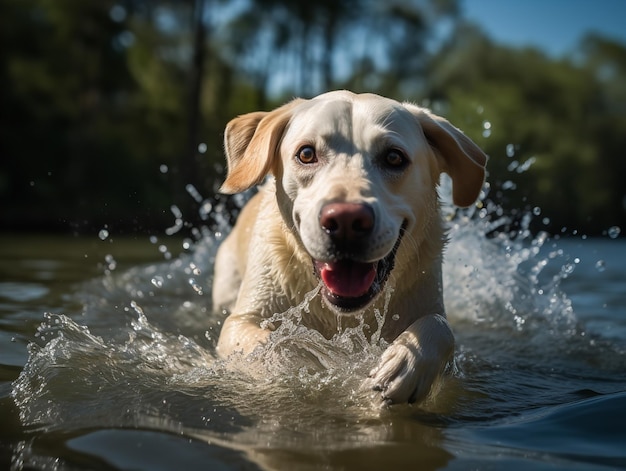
[{"x": 107, "y": 362}]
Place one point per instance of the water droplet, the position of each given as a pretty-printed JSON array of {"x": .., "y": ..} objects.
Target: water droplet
[
  {"x": 103, "y": 234},
  {"x": 117, "y": 13},
  {"x": 110, "y": 261},
  {"x": 194, "y": 193},
  {"x": 157, "y": 281},
  {"x": 196, "y": 287},
  {"x": 178, "y": 222},
  {"x": 194, "y": 269},
  {"x": 546, "y": 221},
  {"x": 163, "y": 168},
  {"x": 614, "y": 232},
  {"x": 510, "y": 150},
  {"x": 600, "y": 265},
  {"x": 536, "y": 210},
  {"x": 176, "y": 210},
  {"x": 526, "y": 165},
  {"x": 395, "y": 317},
  {"x": 486, "y": 125},
  {"x": 205, "y": 210},
  {"x": 202, "y": 147},
  {"x": 153, "y": 239},
  {"x": 512, "y": 166}
]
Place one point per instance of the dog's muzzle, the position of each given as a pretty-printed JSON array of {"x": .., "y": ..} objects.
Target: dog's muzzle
[{"x": 351, "y": 284}]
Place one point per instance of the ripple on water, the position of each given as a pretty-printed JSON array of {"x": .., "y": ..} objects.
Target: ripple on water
[{"x": 22, "y": 291}]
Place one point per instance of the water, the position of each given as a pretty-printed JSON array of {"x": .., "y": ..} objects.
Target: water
[{"x": 107, "y": 362}]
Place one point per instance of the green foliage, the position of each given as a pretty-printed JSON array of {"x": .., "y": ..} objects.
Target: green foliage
[
  {"x": 97, "y": 100},
  {"x": 560, "y": 115}
]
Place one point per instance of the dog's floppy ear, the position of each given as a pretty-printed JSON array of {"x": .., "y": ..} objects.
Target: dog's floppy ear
[
  {"x": 463, "y": 160},
  {"x": 251, "y": 143}
]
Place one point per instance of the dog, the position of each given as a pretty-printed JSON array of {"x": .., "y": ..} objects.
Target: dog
[{"x": 353, "y": 205}]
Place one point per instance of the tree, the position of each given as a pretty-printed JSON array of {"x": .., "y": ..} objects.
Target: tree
[
  {"x": 103, "y": 104},
  {"x": 525, "y": 108},
  {"x": 304, "y": 48}
]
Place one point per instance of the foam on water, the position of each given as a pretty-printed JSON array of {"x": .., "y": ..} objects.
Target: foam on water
[{"x": 139, "y": 350}]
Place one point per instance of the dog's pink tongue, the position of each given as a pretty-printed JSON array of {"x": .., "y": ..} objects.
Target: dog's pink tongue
[{"x": 348, "y": 279}]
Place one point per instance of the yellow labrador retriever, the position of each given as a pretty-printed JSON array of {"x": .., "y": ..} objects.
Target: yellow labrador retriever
[{"x": 353, "y": 204}]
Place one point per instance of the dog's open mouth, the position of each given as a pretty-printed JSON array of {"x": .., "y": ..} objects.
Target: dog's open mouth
[{"x": 350, "y": 285}]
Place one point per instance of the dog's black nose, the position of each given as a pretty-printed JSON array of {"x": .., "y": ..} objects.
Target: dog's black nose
[{"x": 347, "y": 221}]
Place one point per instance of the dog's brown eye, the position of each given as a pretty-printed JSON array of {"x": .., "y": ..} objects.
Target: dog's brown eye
[
  {"x": 395, "y": 159},
  {"x": 306, "y": 155}
]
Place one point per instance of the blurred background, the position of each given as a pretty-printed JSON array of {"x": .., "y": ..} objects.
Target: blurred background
[{"x": 112, "y": 111}]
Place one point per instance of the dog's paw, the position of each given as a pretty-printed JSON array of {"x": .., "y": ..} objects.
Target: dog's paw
[{"x": 403, "y": 374}]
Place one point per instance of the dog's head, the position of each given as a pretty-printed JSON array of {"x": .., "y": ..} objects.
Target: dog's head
[{"x": 354, "y": 173}]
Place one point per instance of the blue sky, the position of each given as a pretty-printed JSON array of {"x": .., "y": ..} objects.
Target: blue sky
[{"x": 555, "y": 26}]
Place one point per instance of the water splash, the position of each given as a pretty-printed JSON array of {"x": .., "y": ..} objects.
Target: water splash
[
  {"x": 75, "y": 379},
  {"x": 504, "y": 279},
  {"x": 293, "y": 346}
]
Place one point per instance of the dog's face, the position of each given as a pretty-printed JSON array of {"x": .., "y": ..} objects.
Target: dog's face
[{"x": 354, "y": 173}]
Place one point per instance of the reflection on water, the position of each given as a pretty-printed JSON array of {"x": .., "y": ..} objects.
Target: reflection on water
[{"x": 129, "y": 358}]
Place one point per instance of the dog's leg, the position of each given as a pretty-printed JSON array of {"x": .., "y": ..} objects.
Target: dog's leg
[
  {"x": 412, "y": 363},
  {"x": 226, "y": 277},
  {"x": 241, "y": 333}
]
